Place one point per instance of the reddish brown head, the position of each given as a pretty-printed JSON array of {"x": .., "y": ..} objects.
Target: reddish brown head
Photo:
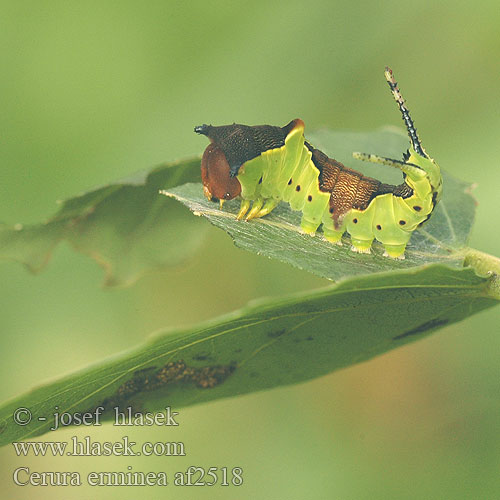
[
  {"x": 231, "y": 147},
  {"x": 215, "y": 175}
]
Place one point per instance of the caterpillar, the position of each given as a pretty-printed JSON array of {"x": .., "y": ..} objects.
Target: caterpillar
[{"x": 266, "y": 164}]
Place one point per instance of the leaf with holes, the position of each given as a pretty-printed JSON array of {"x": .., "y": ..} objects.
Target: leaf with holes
[{"x": 125, "y": 226}]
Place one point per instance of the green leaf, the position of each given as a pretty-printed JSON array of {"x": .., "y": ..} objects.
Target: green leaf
[
  {"x": 268, "y": 344},
  {"x": 126, "y": 226},
  {"x": 262, "y": 346},
  {"x": 278, "y": 236}
]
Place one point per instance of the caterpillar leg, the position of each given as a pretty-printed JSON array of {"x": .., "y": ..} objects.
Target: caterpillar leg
[
  {"x": 245, "y": 205},
  {"x": 361, "y": 246},
  {"x": 269, "y": 205},
  {"x": 334, "y": 237},
  {"x": 308, "y": 227},
  {"x": 395, "y": 251},
  {"x": 256, "y": 208}
]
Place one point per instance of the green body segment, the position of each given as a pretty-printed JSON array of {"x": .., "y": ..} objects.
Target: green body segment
[
  {"x": 285, "y": 174},
  {"x": 388, "y": 218},
  {"x": 289, "y": 174}
]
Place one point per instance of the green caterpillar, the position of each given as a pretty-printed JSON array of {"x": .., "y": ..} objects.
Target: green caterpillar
[{"x": 265, "y": 164}]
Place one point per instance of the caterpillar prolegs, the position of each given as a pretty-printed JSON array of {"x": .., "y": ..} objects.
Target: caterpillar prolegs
[{"x": 265, "y": 164}]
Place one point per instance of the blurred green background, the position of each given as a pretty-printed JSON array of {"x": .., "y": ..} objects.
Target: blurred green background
[{"x": 93, "y": 91}]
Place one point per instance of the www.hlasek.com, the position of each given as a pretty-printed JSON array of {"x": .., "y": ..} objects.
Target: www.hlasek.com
[
  {"x": 78, "y": 447},
  {"x": 87, "y": 448}
]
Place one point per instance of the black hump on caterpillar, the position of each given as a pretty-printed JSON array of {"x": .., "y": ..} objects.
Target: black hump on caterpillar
[{"x": 241, "y": 143}]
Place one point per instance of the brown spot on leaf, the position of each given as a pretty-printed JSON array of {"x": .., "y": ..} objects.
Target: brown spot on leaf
[
  {"x": 276, "y": 333},
  {"x": 172, "y": 374},
  {"x": 428, "y": 325},
  {"x": 144, "y": 370},
  {"x": 202, "y": 356}
]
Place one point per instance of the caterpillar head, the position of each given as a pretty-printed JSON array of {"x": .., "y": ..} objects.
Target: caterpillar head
[{"x": 218, "y": 184}]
